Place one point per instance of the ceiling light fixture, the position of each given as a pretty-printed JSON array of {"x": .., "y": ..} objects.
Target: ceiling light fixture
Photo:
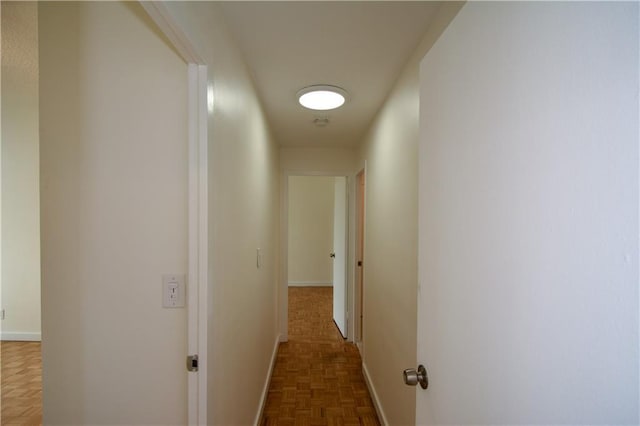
[{"x": 322, "y": 97}]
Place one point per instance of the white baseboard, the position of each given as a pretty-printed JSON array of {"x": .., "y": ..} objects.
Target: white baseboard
[
  {"x": 22, "y": 337},
  {"x": 310, "y": 284},
  {"x": 265, "y": 388},
  {"x": 374, "y": 396}
]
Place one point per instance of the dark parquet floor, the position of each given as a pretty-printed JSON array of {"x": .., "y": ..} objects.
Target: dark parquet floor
[{"x": 317, "y": 379}]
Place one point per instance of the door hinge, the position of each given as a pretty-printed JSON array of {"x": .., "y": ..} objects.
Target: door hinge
[{"x": 192, "y": 363}]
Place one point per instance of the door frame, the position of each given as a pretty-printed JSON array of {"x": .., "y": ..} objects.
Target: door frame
[
  {"x": 198, "y": 107},
  {"x": 341, "y": 248},
  {"x": 283, "y": 287},
  {"x": 359, "y": 279}
]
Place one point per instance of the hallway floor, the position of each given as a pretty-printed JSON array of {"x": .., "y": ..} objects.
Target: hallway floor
[
  {"x": 21, "y": 383},
  {"x": 317, "y": 379}
]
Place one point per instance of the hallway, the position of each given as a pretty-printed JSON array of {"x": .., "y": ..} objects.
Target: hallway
[
  {"x": 317, "y": 379},
  {"x": 499, "y": 148}
]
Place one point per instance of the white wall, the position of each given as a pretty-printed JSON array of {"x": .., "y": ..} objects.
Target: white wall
[
  {"x": 390, "y": 150},
  {"x": 325, "y": 160},
  {"x": 113, "y": 151},
  {"x": 310, "y": 230},
  {"x": 243, "y": 204},
  {"x": 529, "y": 215},
  {"x": 20, "y": 286}
]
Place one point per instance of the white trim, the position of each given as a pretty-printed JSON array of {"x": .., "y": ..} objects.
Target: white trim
[
  {"x": 284, "y": 248},
  {"x": 163, "y": 19},
  {"x": 310, "y": 284},
  {"x": 351, "y": 257},
  {"x": 374, "y": 396},
  {"x": 283, "y": 287},
  {"x": 265, "y": 388},
  {"x": 21, "y": 336},
  {"x": 203, "y": 242},
  {"x": 358, "y": 308},
  {"x": 193, "y": 259},
  {"x": 198, "y": 244}
]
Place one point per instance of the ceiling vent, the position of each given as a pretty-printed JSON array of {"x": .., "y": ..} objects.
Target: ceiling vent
[{"x": 321, "y": 121}]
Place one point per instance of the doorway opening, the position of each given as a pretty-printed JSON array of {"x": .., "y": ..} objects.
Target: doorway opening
[
  {"x": 317, "y": 239},
  {"x": 319, "y": 357},
  {"x": 20, "y": 296}
]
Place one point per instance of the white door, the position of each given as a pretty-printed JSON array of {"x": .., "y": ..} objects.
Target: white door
[
  {"x": 528, "y": 221},
  {"x": 340, "y": 254}
]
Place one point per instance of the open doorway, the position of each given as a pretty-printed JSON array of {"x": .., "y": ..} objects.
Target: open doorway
[
  {"x": 20, "y": 310},
  {"x": 319, "y": 359},
  {"x": 20, "y": 305},
  {"x": 317, "y": 240}
]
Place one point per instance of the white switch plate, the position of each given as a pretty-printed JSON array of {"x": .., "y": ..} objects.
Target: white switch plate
[
  {"x": 258, "y": 258},
  {"x": 173, "y": 290}
]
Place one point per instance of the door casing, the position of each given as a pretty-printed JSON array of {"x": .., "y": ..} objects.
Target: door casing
[
  {"x": 283, "y": 298},
  {"x": 340, "y": 249},
  {"x": 360, "y": 202}
]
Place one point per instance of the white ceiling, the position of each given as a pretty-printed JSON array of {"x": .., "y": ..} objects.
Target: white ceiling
[{"x": 360, "y": 46}]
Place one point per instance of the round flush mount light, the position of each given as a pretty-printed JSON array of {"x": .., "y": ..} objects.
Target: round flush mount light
[{"x": 322, "y": 97}]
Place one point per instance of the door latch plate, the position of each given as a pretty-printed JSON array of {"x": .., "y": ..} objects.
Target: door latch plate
[{"x": 192, "y": 363}]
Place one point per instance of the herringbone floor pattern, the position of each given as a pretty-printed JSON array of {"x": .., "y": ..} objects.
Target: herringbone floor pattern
[
  {"x": 317, "y": 379},
  {"x": 21, "y": 384}
]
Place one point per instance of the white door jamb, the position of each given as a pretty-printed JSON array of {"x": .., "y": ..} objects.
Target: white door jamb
[{"x": 284, "y": 249}]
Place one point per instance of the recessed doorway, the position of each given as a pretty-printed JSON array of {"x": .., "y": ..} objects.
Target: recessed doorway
[{"x": 317, "y": 238}]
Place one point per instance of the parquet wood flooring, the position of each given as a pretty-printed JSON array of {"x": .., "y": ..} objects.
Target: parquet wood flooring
[
  {"x": 21, "y": 383},
  {"x": 317, "y": 379}
]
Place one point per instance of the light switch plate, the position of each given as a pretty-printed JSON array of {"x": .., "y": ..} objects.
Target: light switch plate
[{"x": 173, "y": 291}]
